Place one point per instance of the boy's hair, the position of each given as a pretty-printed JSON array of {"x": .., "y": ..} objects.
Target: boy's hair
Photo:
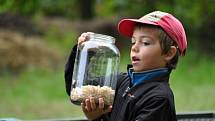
[{"x": 165, "y": 41}]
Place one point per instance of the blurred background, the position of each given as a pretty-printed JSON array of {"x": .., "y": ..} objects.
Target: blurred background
[{"x": 36, "y": 37}]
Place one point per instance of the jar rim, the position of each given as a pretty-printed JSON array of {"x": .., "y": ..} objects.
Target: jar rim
[{"x": 102, "y": 36}]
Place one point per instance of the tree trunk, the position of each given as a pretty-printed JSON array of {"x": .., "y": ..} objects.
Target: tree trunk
[{"x": 87, "y": 9}]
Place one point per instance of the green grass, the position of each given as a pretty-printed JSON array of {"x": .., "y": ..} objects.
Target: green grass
[
  {"x": 193, "y": 83},
  {"x": 36, "y": 94}
]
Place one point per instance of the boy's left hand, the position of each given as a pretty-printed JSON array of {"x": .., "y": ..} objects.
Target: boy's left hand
[{"x": 93, "y": 111}]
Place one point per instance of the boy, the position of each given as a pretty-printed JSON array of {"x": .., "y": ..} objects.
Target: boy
[{"x": 143, "y": 94}]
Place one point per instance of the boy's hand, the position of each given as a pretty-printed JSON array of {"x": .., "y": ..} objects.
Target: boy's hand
[
  {"x": 93, "y": 111},
  {"x": 84, "y": 37}
]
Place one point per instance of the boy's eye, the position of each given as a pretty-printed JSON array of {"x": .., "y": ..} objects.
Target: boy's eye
[
  {"x": 144, "y": 42},
  {"x": 141, "y": 41}
]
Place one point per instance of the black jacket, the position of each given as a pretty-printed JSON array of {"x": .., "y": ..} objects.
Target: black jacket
[{"x": 152, "y": 100}]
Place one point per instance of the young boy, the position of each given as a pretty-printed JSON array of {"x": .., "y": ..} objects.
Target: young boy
[{"x": 143, "y": 94}]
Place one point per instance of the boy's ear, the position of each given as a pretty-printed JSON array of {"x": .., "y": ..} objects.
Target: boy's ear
[{"x": 170, "y": 54}]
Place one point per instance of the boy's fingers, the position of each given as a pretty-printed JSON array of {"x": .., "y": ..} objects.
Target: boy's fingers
[
  {"x": 88, "y": 105},
  {"x": 84, "y": 34},
  {"x": 92, "y": 102},
  {"x": 83, "y": 107},
  {"x": 82, "y": 38},
  {"x": 101, "y": 103}
]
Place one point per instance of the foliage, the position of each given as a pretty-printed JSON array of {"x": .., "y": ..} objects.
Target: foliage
[
  {"x": 22, "y": 7},
  {"x": 66, "y": 8}
]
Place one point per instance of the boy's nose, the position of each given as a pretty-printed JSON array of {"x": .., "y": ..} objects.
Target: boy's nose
[{"x": 134, "y": 48}]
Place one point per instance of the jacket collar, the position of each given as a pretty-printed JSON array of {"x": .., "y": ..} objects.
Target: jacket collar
[{"x": 140, "y": 77}]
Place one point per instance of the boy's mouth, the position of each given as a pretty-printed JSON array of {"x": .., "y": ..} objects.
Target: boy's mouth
[{"x": 135, "y": 60}]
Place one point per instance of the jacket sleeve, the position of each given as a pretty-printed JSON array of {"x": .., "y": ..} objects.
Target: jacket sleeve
[
  {"x": 69, "y": 69},
  {"x": 157, "y": 109}
]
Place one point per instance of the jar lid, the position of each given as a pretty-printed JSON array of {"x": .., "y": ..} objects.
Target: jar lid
[{"x": 101, "y": 37}]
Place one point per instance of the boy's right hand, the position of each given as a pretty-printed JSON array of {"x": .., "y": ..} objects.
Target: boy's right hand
[
  {"x": 84, "y": 37},
  {"x": 93, "y": 111}
]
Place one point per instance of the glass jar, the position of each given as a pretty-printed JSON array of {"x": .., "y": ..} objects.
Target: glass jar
[{"x": 96, "y": 69}]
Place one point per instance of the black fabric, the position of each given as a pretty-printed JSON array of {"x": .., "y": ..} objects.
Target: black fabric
[
  {"x": 152, "y": 100},
  {"x": 69, "y": 69}
]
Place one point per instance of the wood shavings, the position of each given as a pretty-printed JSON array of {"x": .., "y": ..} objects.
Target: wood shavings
[{"x": 79, "y": 94}]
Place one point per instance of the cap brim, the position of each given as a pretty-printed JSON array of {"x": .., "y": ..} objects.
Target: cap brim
[{"x": 126, "y": 26}]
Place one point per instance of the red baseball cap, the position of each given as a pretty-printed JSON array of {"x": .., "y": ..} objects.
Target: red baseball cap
[{"x": 171, "y": 25}]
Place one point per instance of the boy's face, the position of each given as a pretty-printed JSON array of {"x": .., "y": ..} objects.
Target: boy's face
[{"x": 146, "y": 53}]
